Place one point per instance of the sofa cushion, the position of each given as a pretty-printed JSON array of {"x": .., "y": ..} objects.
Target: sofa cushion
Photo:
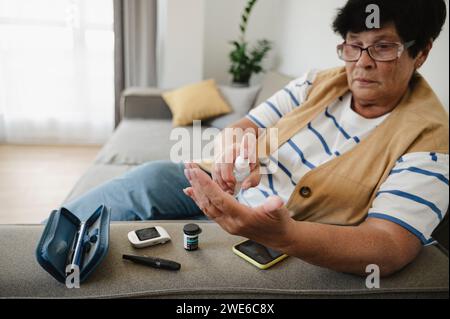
[
  {"x": 203, "y": 273},
  {"x": 96, "y": 174},
  {"x": 141, "y": 102},
  {"x": 197, "y": 101},
  {"x": 272, "y": 83},
  {"x": 137, "y": 141},
  {"x": 241, "y": 101}
]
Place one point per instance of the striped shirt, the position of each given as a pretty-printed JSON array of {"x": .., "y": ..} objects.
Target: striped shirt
[{"x": 415, "y": 195}]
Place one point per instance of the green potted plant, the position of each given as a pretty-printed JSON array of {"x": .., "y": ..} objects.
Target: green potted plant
[{"x": 245, "y": 61}]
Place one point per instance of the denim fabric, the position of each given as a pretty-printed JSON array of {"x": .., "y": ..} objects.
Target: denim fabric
[{"x": 152, "y": 191}]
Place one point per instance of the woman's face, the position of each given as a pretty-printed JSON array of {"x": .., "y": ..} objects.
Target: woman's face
[{"x": 379, "y": 83}]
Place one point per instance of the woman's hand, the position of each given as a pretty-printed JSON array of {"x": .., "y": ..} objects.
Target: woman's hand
[
  {"x": 269, "y": 224},
  {"x": 223, "y": 166}
]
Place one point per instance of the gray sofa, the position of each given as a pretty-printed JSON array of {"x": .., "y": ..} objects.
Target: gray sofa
[
  {"x": 143, "y": 135},
  {"x": 211, "y": 272}
]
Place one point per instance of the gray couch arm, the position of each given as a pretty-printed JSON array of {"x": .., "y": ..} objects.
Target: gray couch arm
[
  {"x": 143, "y": 103},
  {"x": 202, "y": 273}
]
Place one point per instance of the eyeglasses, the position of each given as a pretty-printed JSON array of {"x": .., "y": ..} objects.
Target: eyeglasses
[{"x": 381, "y": 52}]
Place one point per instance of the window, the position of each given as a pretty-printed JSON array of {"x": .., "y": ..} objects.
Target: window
[{"x": 56, "y": 71}]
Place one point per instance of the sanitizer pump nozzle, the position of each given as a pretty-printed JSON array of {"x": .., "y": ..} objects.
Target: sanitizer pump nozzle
[{"x": 241, "y": 172}]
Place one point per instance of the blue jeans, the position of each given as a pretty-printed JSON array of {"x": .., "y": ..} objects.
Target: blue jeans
[{"x": 152, "y": 191}]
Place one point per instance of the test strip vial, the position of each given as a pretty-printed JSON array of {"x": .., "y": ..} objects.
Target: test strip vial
[{"x": 191, "y": 232}]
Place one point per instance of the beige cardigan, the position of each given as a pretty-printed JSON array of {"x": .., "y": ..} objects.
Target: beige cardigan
[{"x": 341, "y": 191}]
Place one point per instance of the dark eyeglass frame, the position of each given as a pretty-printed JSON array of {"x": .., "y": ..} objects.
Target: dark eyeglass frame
[{"x": 401, "y": 47}]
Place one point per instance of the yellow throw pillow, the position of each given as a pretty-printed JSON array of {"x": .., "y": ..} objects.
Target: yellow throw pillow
[{"x": 197, "y": 101}]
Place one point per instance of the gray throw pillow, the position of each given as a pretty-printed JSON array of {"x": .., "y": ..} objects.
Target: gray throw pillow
[
  {"x": 272, "y": 82},
  {"x": 241, "y": 101}
]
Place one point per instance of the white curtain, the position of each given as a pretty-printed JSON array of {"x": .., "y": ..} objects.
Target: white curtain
[
  {"x": 139, "y": 27},
  {"x": 56, "y": 71},
  {"x": 135, "y": 45}
]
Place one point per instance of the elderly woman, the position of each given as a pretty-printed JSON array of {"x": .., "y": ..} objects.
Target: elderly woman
[
  {"x": 362, "y": 165},
  {"x": 365, "y": 146}
]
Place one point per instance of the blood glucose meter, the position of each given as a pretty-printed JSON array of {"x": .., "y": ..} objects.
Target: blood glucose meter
[{"x": 148, "y": 237}]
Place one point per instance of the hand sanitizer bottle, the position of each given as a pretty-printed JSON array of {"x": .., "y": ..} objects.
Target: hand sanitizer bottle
[{"x": 241, "y": 172}]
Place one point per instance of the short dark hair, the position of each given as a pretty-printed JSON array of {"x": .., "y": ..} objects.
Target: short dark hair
[{"x": 419, "y": 20}]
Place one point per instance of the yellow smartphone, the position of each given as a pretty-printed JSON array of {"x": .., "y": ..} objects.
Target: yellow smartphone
[{"x": 257, "y": 254}]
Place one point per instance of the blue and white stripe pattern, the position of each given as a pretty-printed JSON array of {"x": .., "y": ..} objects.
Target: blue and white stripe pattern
[
  {"x": 415, "y": 195},
  {"x": 284, "y": 101}
]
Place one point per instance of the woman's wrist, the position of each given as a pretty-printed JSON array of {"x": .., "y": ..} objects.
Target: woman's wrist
[{"x": 289, "y": 240}]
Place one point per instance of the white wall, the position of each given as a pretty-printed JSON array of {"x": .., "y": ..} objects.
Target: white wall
[
  {"x": 195, "y": 35},
  {"x": 301, "y": 49},
  {"x": 222, "y": 19},
  {"x": 307, "y": 40},
  {"x": 436, "y": 69},
  {"x": 180, "y": 42}
]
